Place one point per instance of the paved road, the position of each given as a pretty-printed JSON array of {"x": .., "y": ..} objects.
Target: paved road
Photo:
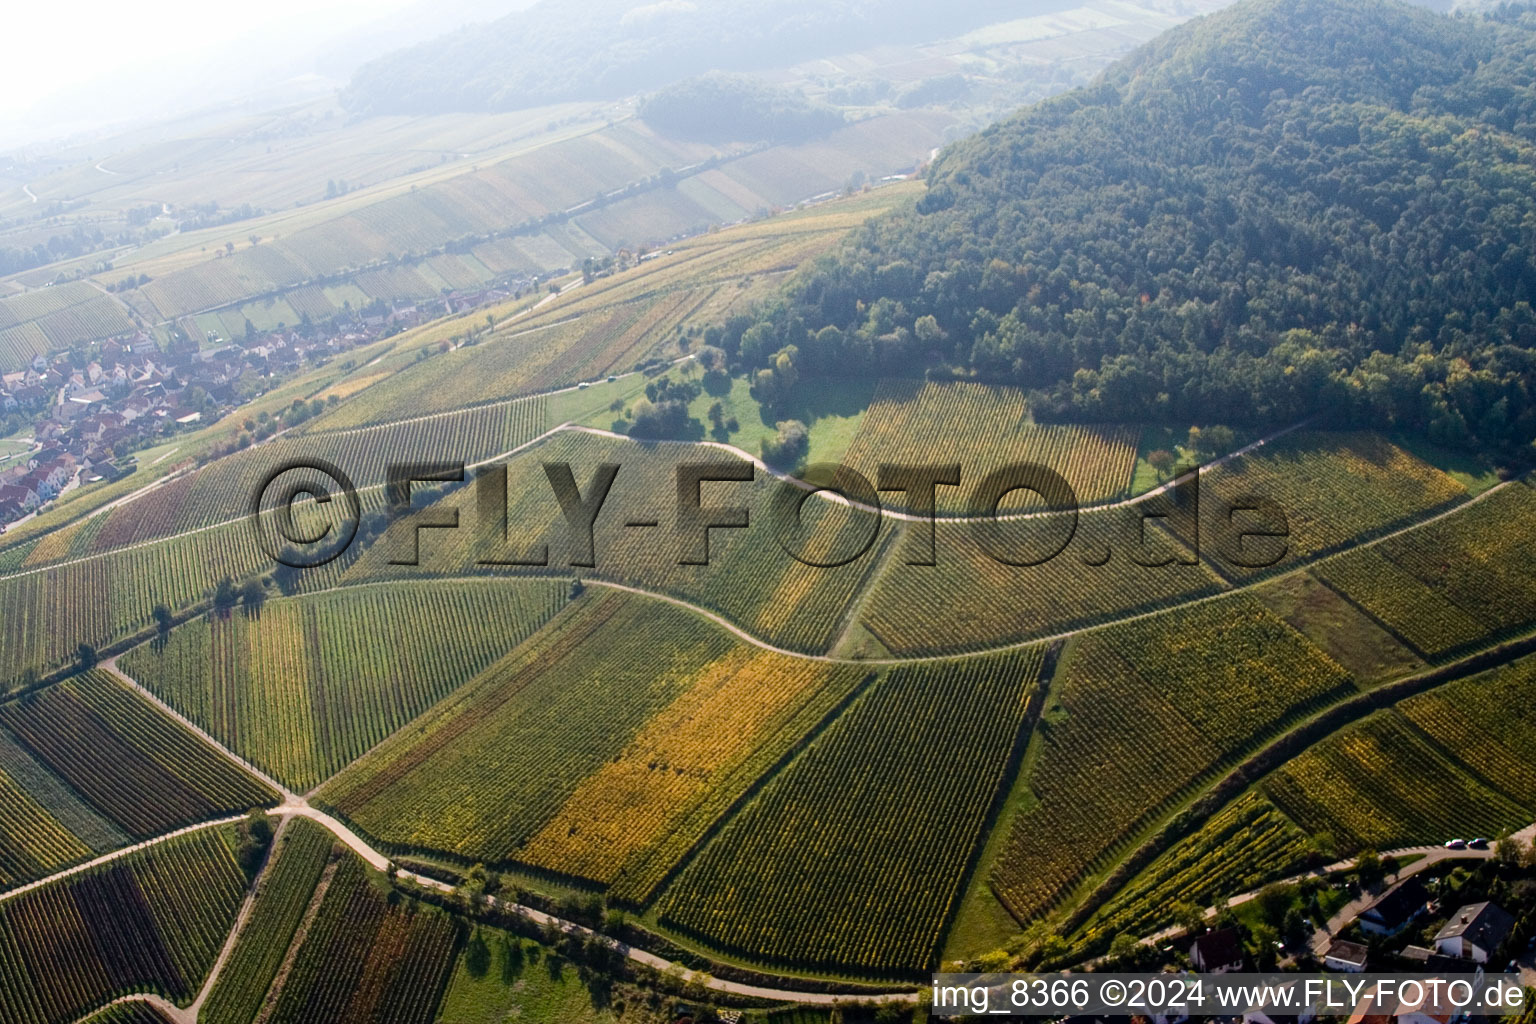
[{"x": 1429, "y": 856}]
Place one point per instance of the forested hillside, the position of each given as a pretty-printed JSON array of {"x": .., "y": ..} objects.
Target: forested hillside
[{"x": 1281, "y": 209}]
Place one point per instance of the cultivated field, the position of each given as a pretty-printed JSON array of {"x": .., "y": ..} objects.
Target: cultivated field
[
  {"x": 151, "y": 921},
  {"x": 311, "y": 683},
  {"x": 982, "y": 429},
  {"x": 115, "y": 761},
  {"x": 1134, "y": 722},
  {"x": 887, "y": 807}
]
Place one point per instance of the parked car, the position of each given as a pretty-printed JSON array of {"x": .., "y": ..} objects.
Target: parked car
[
  {"x": 1456, "y": 844},
  {"x": 1479, "y": 844}
]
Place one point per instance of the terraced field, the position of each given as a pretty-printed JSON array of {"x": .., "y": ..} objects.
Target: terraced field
[
  {"x": 153, "y": 921},
  {"x": 1140, "y": 713},
  {"x": 886, "y": 807},
  {"x": 314, "y": 682}
]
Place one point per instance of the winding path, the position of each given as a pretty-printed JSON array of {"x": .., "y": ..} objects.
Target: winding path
[{"x": 294, "y": 805}]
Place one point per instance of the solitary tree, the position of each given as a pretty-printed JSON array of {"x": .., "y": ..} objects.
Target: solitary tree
[
  {"x": 1161, "y": 460},
  {"x": 87, "y": 655},
  {"x": 225, "y": 597},
  {"x": 163, "y": 620},
  {"x": 252, "y": 596}
]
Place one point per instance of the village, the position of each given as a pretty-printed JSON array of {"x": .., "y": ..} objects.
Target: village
[{"x": 91, "y": 411}]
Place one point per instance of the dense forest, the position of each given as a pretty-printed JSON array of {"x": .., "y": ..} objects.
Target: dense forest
[
  {"x": 1287, "y": 208},
  {"x": 734, "y": 108},
  {"x": 605, "y": 49}
]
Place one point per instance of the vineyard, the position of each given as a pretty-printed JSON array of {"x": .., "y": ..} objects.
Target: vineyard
[
  {"x": 970, "y": 600},
  {"x": 223, "y": 490},
  {"x": 1237, "y": 850},
  {"x": 644, "y": 809},
  {"x": 312, "y": 683},
  {"x": 47, "y": 613},
  {"x": 130, "y": 763},
  {"x": 1452, "y": 583},
  {"x": 150, "y": 922},
  {"x": 484, "y": 770},
  {"x": 47, "y": 823},
  {"x": 1334, "y": 489},
  {"x": 368, "y": 958},
  {"x": 284, "y": 893},
  {"x": 1380, "y": 784},
  {"x": 983, "y": 429},
  {"x": 1145, "y": 710},
  {"x": 135, "y": 1012},
  {"x": 520, "y": 360},
  {"x": 1489, "y": 724},
  {"x": 51, "y": 319},
  {"x": 854, "y": 856},
  {"x": 750, "y": 578}
]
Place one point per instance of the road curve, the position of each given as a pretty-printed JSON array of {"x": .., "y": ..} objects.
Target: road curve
[{"x": 294, "y": 805}]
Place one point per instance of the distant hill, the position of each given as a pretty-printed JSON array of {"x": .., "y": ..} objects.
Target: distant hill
[
  {"x": 728, "y": 108},
  {"x": 1285, "y": 208},
  {"x": 604, "y": 49}
]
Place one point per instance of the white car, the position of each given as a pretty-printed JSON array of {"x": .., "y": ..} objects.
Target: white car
[{"x": 1456, "y": 844}]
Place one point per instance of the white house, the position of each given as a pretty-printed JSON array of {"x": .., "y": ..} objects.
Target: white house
[{"x": 1475, "y": 932}]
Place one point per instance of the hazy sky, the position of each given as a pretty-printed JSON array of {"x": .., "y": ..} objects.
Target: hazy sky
[{"x": 71, "y": 61}]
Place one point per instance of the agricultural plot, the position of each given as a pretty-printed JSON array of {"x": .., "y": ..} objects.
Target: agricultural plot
[
  {"x": 1341, "y": 630},
  {"x": 1145, "y": 710},
  {"x": 1453, "y": 583},
  {"x": 876, "y": 147},
  {"x": 1334, "y": 489},
  {"x": 127, "y": 1013},
  {"x": 627, "y": 824},
  {"x": 984, "y": 428},
  {"x": 22, "y": 343},
  {"x": 130, "y": 763},
  {"x": 510, "y": 194},
  {"x": 222, "y": 491},
  {"x": 312, "y": 683},
  {"x": 49, "y": 319},
  {"x": 972, "y": 598},
  {"x": 366, "y": 958},
  {"x": 520, "y": 361},
  {"x": 297, "y": 862},
  {"x": 1488, "y": 724},
  {"x": 853, "y": 857},
  {"x": 1238, "y": 850},
  {"x": 487, "y": 768},
  {"x": 45, "y": 614},
  {"x": 37, "y": 796},
  {"x": 33, "y": 843},
  {"x": 152, "y": 921},
  {"x": 1380, "y": 784},
  {"x": 751, "y": 578}
]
